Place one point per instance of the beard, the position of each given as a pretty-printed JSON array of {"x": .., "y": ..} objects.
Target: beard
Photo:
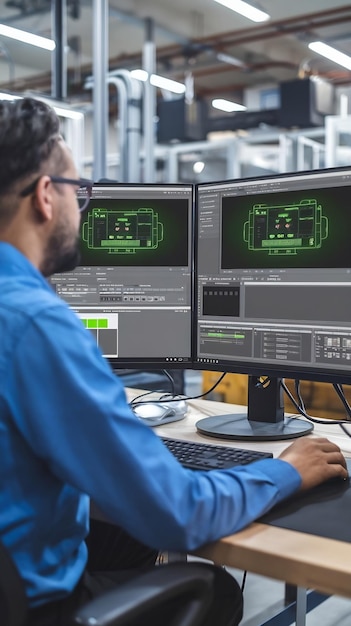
[{"x": 62, "y": 253}]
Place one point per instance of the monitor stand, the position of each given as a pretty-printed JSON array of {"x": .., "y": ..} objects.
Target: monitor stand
[{"x": 264, "y": 420}]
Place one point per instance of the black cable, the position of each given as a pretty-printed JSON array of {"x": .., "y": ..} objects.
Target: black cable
[
  {"x": 137, "y": 400},
  {"x": 202, "y": 395},
  {"x": 146, "y": 393},
  {"x": 243, "y": 581},
  {"x": 342, "y": 426},
  {"x": 302, "y": 411},
  {"x": 171, "y": 379},
  {"x": 298, "y": 393},
  {"x": 340, "y": 391}
]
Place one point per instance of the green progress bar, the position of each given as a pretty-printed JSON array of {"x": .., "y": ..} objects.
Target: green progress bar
[
  {"x": 282, "y": 243},
  {"x": 120, "y": 243},
  {"x": 226, "y": 335},
  {"x": 95, "y": 323}
]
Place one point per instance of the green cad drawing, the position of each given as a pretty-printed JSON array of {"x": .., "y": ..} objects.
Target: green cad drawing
[
  {"x": 286, "y": 229},
  {"x": 122, "y": 232}
]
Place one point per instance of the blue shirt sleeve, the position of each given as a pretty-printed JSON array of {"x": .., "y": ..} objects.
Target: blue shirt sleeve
[{"x": 72, "y": 411}]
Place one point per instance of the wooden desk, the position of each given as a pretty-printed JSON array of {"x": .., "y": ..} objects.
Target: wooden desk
[{"x": 297, "y": 558}]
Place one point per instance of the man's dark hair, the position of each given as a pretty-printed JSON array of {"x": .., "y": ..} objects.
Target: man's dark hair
[{"x": 29, "y": 130}]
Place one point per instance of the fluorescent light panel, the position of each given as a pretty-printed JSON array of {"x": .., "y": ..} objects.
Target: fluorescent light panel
[
  {"x": 245, "y": 9},
  {"x": 139, "y": 75},
  {"x": 331, "y": 53},
  {"x": 167, "y": 83},
  {"x": 22, "y": 35},
  {"x": 198, "y": 167},
  {"x": 228, "y": 58},
  {"x": 8, "y": 96},
  {"x": 159, "y": 81},
  {"x": 227, "y": 105}
]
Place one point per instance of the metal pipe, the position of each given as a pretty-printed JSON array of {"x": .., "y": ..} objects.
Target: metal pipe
[
  {"x": 149, "y": 65},
  {"x": 133, "y": 125},
  {"x": 58, "y": 58},
  {"x": 122, "y": 98},
  {"x": 100, "y": 88}
]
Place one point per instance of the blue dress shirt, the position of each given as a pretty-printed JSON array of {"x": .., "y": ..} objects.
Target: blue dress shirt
[{"x": 67, "y": 434}]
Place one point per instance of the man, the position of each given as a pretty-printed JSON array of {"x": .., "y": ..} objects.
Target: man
[{"x": 66, "y": 430}]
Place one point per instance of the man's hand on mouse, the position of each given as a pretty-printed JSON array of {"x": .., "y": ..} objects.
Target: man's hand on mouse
[{"x": 316, "y": 460}]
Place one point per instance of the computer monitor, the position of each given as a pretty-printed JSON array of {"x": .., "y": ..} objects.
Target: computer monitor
[
  {"x": 273, "y": 290},
  {"x": 133, "y": 289}
]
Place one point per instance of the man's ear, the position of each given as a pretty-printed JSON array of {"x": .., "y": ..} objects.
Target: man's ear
[{"x": 43, "y": 198}]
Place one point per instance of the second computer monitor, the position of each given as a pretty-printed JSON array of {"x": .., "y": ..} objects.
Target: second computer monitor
[{"x": 274, "y": 277}]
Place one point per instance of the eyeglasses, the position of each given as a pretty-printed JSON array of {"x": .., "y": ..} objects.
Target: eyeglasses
[{"x": 84, "y": 188}]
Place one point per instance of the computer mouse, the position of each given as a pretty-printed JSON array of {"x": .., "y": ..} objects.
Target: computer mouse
[
  {"x": 157, "y": 413},
  {"x": 154, "y": 411},
  {"x": 178, "y": 404}
]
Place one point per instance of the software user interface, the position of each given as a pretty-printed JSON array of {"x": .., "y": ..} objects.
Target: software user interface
[
  {"x": 133, "y": 287},
  {"x": 274, "y": 272}
]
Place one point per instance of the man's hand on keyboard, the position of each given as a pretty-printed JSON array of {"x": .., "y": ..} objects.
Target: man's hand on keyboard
[{"x": 316, "y": 460}]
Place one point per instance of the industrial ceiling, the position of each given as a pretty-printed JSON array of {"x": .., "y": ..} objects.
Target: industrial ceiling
[{"x": 223, "y": 52}]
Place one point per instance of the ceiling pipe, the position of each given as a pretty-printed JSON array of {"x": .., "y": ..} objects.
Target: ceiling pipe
[
  {"x": 319, "y": 19},
  {"x": 290, "y": 30},
  {"x": 254, "y": 67}
]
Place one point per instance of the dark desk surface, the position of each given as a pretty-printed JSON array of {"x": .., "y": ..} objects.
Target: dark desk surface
[{"x": 324, "y": 511}]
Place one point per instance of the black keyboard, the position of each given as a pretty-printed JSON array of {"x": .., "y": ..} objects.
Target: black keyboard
[{"x": 202, "y": 456}]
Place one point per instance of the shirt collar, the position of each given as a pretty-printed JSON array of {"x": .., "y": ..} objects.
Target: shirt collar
[{"x": 13, "y": 262}]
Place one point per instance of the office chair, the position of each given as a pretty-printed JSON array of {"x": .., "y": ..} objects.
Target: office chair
[
  {"x": 189, "y": 584},
  {"x": 13, "y": 601}
]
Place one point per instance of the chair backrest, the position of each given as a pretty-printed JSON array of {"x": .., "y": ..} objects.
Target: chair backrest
[
  {"x": 183, "y": 590},
  {"x": 179, "y": 594},
  {"x": 13, "y": 601}
]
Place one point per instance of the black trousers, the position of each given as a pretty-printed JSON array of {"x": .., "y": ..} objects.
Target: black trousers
[{"x": 114, "y": 558}]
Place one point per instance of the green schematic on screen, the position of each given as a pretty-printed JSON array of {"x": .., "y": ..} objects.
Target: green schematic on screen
[
  {"x": 122, "y": 232},
  {"x": 286, "y": 229}
]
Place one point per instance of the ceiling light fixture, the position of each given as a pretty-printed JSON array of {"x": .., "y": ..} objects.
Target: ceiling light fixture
[
  {"x": 159, "y": 81},
  {"x": 139, "y": 75},
  {"x": 198, "y": 167},
  {"x": 227, "y": 105},
  {"x": 22, "y": 35},
  {"x": 167, "y": 83},
  {"x": 228, "y": 58},
  {"x": 8, "y": 96},
  {"x": 331, "y": 53},
  {"x": 245, "y": 9}
]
